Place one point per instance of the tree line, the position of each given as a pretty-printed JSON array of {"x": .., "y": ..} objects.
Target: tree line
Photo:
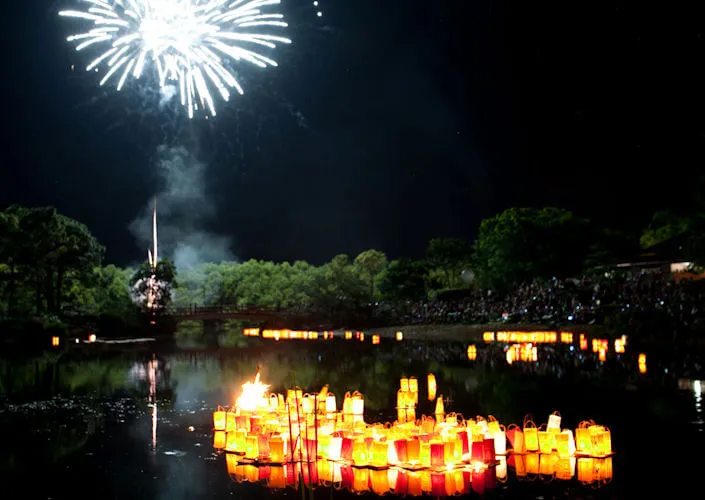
[{"x": 52, "y": 266}]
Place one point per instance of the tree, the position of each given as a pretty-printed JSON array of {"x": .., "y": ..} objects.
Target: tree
[
  {"x": 165, "y": 274},
  {"x": 449, "y": 257},
  {"x": 371, "y": 263},
  {"x": 521, "y": 244},
  {"x": 404, "y": 279}
]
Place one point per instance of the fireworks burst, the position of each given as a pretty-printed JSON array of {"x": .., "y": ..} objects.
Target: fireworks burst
[{"x": 190, "y": 42}]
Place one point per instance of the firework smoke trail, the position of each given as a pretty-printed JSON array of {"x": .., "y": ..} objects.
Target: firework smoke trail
[{"x": 189, "y": 42}]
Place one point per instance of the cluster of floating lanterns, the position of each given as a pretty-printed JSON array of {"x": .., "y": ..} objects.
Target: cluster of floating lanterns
[
  {"x": 307, "y": 432},
  {"x": 311, "y": 335}
]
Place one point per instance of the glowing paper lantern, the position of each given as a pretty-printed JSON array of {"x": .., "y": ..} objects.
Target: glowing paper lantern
[
  {"x": 219, "y": 417},
  {"x": 500, "y": 441},
  {"x": 399, "y": 336},
  {"x": 531, "y": 436},
  {"x": 437, "y": 452},
  {"x": 431, "y": 386},
  {"x": 413, "y": 450},
  {"x": 565, "y": 468},
  {"x": 277, "y": 453},
  {"x": 546, "y": 441},
  {"x": 472, "y": 352},
  {"x": 404, "y": 384},
  {"x": 547, "y": 464},
  {"x": 252, "y": 447},
  {"x": 585, "y": 470},
  {"x": 361, "y": 479},
  {"x": 532, "y": 463},
  {"x": 55, "y": 341},
  {"x": 331, "y": 404},
  {"x": 642, "y": 363},
  {"x": 219, "y": 440},
  {"x": 565, "y": 444},
  {"x": 375, "y": 339},
  {"x": 230, "y": 422},
  {"x": 554, "y": 421},
  {"x": 440, "y": 409},
  {"x": 358, "y": 404},
  {"x": 516, "y": 438},
  {"x": 379, "y": 481}
]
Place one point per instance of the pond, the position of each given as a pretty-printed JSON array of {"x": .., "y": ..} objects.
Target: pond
[{"x": 137, "y": 421}]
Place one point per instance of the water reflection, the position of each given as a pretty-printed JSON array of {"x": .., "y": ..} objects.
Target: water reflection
[
  {"x": 153, "y": 399},
  {"x": 592, "y": 472}
]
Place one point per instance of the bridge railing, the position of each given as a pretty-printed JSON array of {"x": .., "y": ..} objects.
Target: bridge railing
[{"x": 197, "y": 310}]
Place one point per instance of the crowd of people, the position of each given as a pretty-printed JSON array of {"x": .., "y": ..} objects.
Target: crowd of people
[{"x": 587, "y": 300}]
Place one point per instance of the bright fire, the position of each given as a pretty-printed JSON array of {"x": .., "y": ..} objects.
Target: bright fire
[{"x": 252, "y": 394}]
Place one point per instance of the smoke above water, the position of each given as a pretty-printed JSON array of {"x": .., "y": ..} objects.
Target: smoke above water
[{"x": 183, "y": 211}]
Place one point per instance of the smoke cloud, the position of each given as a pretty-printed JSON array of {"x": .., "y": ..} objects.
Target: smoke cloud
[{"x": 183, "y": 211}]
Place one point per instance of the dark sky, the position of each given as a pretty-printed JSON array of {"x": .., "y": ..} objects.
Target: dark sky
[{"x": 387, "y": 123}]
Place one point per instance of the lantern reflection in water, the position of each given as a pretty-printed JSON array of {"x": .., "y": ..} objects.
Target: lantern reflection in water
[
  {"x": 642, "y": 363},
  {"x": 398, "y": 481}
]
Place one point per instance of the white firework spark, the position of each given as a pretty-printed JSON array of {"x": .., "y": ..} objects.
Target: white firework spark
[{"x": 190, "y": 42}]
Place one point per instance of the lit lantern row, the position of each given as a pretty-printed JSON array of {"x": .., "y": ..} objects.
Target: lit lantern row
[
  {"x": 552, "y": 337},
  {"x": 589, "y": 439},
  {"x": 590, "y": 471},
  {"x": 522, "y": 352}
]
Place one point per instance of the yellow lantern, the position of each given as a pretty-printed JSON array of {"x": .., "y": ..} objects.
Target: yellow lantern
[
  {"x": 347, "y": 404},
  {"x": 531, "y": 436},
  {"x": 399, "y": 336},
  {"x": 252, "y": 447},
  {"x": 472, "y": 352},
  {"x": 583, "y": 441},
  {"x": 402, "y": 398},
  {"x": 431, "y": 386},
  {"x": 231, "y": 463},
  {"x": 565, "y": 444},
  {"x": 348, "y": 335},
  {"x": 440, "y": 409},
  {"x": 379, "y": 453},
  {"x": 404, "y": 384},
  {"x": 219, "y": 440},
  {"x": 277, "y": 478},
  {"x": 55, "y": 341},
  {"x": 413, "y": 385},
  {"x": 219, "y": 419},
  {"x": 425, "y": 453},
  {"x": 360, "y": 452},
  {"x": 230, "y": 422},
  {"x": 547, "y": 441},
  {"x": 642, "y": 363},
  {"x": 602, "y": 469},
  {"x": 401, "y": 415},
  {"x": 601, "y": 440}
]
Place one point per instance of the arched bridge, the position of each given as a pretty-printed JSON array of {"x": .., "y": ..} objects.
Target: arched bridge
[{"x": 276, "y": 317}]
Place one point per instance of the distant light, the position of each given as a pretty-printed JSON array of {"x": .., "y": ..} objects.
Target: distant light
[
  {"x": 570, "y": 318},
  {"x": 315, "y": 4},
  {"x": 91, "y": 337},
  {"x": 319, "y": 13}
]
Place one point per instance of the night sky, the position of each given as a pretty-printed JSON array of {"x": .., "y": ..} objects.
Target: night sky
[{"x": 387, "y": 123}]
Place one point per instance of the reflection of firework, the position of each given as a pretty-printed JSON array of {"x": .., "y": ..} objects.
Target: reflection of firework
[{"x": 189, "y": 42}]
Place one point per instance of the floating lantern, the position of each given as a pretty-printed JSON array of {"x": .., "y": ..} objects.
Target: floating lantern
[
  {"x": 399, "y": 336},
  {"x": 546, "y": 441},
  {"x": 566, "y": 337},
  {"x": 362, "y": 337},
  {"x": 219, "y": 419},
  {"x": 348, "y": 335},
  {"x": 554, "y": 421},
  {"x": 55, "y": 341},
  {"x": 375, "y": 339},
  {"x": 583, "y": 342},
  {"x": 516, "y": 438},
  {"x": 472, "y": 352},
  {"x": 431, "y": 386},
  {"x": 602, "y": 469},
  {"x": 565, "y": 444},
  {"x": 277, "y": 451},
  {"x": 404, "y": 384},
  {"x": 618, "y": 346},
  {"x": 358, "y": 404},
  {"x": 642, "y": 363},
  {"x": 219, "y": 440},
  {"x": 585, "y": 470},
  {"x": 91, "y": 338},
  {"x": 531, "y": 436},
  {"x": 440, "y": 409}
]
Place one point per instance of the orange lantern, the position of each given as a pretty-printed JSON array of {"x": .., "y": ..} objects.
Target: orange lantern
[
  {"x": 516, "y": 438},
  {"x": 375, "y": 339},
  {"x": 602, "y": 469},
  {"x": 531, "y": 436},
  {"x": 413, "y": 484},
  {"x": 440, "y": 409},
  {"x": 219, "y": 440},
  {"x": 276, "y": 449},
  {"x": 404, "y": 384},
  {"x": 399, "y": 336},
  {"x": 565, "y": 444},
  {"x": 431, "y": 386},
  {"x": 583, "y": 441},
  {"x": 231, "y": 463},
  {"x": 277, "y": 478},
  {"x": 413, "y": 450},
  {"x": 565, "y": 468},
  {"x": 219, "y": 419},
  {"x": 413, "y": 385},
  {"x": 547, "y": 464},
  {"x": 585, "y": 470},
  {"x": 55, "y": 341},
  {"x": 361, "y": 479},
  {"x": 532, "y": 463},
  {"x": 379, "y": 479},
  {"x": 583, "y": 342},
  {"x": 642, "y": 363},
  {"x": 348, "y": 335}
]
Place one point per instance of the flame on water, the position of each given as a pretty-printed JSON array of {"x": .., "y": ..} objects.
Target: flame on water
[{"x": 252, "y": 394}]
